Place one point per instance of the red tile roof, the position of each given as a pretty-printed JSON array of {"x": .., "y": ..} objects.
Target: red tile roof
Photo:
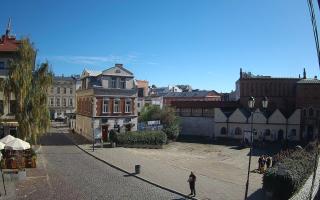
[{"x": 8, "y": 44}]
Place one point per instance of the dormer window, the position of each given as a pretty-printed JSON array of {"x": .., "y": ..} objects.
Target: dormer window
[
  {"x": 123, "y": 83},
  {"x": 118, "y": 71}
]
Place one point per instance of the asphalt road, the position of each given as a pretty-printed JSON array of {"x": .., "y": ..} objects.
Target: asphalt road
[{"x": 66, "y": 172}]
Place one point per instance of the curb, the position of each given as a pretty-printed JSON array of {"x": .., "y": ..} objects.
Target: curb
[{"x": 133, "y": 175}]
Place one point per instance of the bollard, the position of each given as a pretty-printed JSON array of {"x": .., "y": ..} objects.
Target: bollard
[{"x": 137, "y": 169}]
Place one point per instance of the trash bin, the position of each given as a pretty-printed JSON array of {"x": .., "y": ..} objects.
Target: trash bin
[{"x": 137, "y": 169}]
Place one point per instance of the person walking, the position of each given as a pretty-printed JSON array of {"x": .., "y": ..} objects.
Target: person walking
[
  {"x": 268, "y": 162},
  {"x": 192, "y": 183}
]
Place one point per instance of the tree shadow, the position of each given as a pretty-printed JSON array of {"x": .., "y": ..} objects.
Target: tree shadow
[{"x": 258, "y": 195}]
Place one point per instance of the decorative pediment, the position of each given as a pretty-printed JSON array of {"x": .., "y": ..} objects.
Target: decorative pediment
[
  {"x": 277, "y": 117},
  {"x": 258, "y": 117},
  {"x": 117, "y": 70},
  {"x": 238, "y": 116},
  {"x": 219, "y": 116},
  {"x": 295, "y": 117}
]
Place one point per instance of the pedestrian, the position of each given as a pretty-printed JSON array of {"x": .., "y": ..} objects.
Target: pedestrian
[
  {"x": 264, "y": 160},
  {"x": 268, "y": 162},
  {"x": 192, "y": 183},
  {"x": 260, "y": 164}
]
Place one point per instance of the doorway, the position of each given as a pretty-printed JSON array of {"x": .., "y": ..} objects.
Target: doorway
[
  {"x": 310, "y": 132},
  {"x": 280, "y": 135},
  {"x": 104, "y": 132}
]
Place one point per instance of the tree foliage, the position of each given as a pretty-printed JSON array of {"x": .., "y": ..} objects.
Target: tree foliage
[
  {"x": 170, "y": 122},
  {"x": 29, "y": 85}
]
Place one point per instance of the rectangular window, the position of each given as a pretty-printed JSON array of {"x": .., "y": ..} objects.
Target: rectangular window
[
  {"x": 116, "y": 107},
  {"x": 64, "y": 102},
  {"x": 51, "y": 101},
  {"x": 123, "y": 83},
  {"x": 70, "y": 102},
  {"x": 71, "y": 91},
  {"x": 12, "y": 107},
  {"x": 57, "y": 101},
  {"x": 1, "y": 107},
  {"x": 105, "y": 106},
  {"x": 114, "y": 82},
  {"x": 58, "y": 90},
  {"x": 64, "y": 90},
  {"x": 2, "y": 65},
  {"x": 128, "y": 106},
  {"x": 51, "y": 90}
]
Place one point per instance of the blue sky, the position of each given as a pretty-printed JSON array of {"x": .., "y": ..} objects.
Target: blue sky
[{"x": 198, "y": 42}]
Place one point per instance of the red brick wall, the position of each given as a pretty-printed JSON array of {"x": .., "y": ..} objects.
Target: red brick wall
[{"x": 308, "y": 95}]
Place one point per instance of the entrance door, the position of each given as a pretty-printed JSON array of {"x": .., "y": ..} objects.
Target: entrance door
[
  {"x": 104, "y": 133},
  {"x": 310, "y": 133},
  {"x": 280, "y": 135}
]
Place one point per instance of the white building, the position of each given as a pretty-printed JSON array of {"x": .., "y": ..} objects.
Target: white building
[{"x": 271, "y": 127}]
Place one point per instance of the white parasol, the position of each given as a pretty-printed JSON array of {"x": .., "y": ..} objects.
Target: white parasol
[
  {"x": 7, "y": 139},
  {"x": 17, "y": 144},
  {"x": 2, "y": 145}
]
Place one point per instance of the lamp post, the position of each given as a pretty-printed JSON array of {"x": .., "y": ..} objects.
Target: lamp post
[
  {"x": 92, "y": 125},
  {"x": 251, "y": 103}
]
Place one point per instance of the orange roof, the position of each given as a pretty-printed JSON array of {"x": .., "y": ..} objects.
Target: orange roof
[{"x": 8, "y": 44}]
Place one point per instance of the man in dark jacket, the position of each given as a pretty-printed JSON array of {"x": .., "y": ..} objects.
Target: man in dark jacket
[{"x": 192, "y": 183}]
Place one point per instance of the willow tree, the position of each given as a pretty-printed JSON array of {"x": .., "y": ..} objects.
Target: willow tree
[{"x": 29, "y": 85}]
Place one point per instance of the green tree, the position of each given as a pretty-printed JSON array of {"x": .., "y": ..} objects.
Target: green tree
[
  {"x": 167, "y": 116},
  {"x": 29, "y": 85}
]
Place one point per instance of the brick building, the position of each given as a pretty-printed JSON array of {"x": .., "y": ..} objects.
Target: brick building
[
  {"x": 287, "y": 95},
  {"x": 106, "y": 100},
  {"x": 62, "y": 97},
  {"x": 191, "y": 96},
  {"x": 8, "y": 48}
]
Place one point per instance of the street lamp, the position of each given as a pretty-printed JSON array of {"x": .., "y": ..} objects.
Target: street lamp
[
  {"x": 92, "y": 107},
  {"x": 251, "y": 103}
]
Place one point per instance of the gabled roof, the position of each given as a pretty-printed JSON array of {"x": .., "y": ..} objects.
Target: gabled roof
[
  {"x": 87, "y": 73},
  {"x": 309, "y": 81},
  {"x": 192, "y": 94},
  {"x": 119, "y": 66},
  {"x": 9, "y": 44}
]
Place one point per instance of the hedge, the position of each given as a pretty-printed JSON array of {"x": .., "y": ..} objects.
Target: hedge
[
  {"x": 289, "y": 174},
  {"x": 142, "y": 138}
]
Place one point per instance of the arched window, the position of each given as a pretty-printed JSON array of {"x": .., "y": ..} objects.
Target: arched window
[
  {"x": 310, "y": 112},
  {"x": 267, "y": 132},
  {"x": 293, "y": 132},
  {"x": 223, "y": 131},
  {"x": 238, "y": 131}
]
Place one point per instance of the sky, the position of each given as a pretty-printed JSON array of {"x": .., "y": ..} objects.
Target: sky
[{"x": 203, "y": 43}]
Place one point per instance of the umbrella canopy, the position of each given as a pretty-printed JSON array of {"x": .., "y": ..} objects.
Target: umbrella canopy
[
  {"x": 2, "y": 145},
  {"x": 7, "y": 139},
  {"x": 17, "y": 144}
]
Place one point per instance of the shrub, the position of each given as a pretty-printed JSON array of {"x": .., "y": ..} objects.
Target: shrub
[
  {"x": 143, "y": 138},
  {"x": 290, "y": 173},
  {"x": 113, "y": 136},
  {"x": 281, "y": 155}
]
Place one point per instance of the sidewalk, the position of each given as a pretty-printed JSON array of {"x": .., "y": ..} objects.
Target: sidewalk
[{"x": 174, "y": 176}]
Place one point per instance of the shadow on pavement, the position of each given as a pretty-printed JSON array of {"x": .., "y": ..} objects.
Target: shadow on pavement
[
  {"x": 55, "y": 139},
  {"x": 257, "y": 195}
]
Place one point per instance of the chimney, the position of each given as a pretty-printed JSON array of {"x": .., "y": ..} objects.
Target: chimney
[
  {"x": 118, "y": 65},
  {"x": 299, "y": 76},
  {"x": 315, "y": 78},
  {"x": 240, "y": 73},
  {"x": 304, "y": 73}
]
